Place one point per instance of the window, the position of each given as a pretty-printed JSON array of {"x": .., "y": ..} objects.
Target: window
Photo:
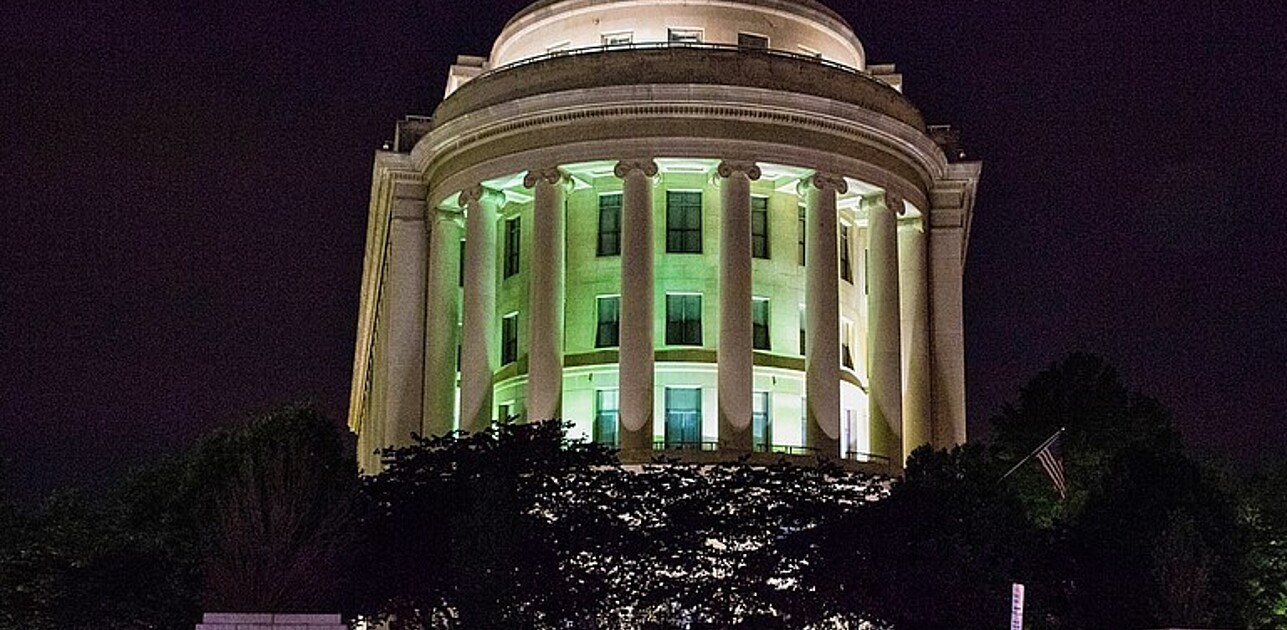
[
  {"x": 846, "y": 270},
  {"x": 683, "y": 417},
  {"x": 684, "y": 35},
  {"x": 804, "y": 420},
  {"x": 509, "y": 338},
  {"x": 503, "y": 412},
  {"x": 624, "y": 38},
  {"x": 851, "y": 432},
  {"x": 846, "y": 339},
  {"x": 748, "y": 40},
  {"x": 461, "y": 271},
  {"x": 802, "y": 325},
  {"x": 760, "y": 323},
  {"x": 684, "y": 319},
  {"x": 683, "y": 222},
  {"x": 605, "y": 416},
  {"x": 607, "y": 334},
  {"x": 866, "y": 271},
  {"x": 512, "y": 236},
  {"x": 610, "y": 225},
  {"x": 761, "y": 423},
  {"x": 800, "y": 221},
  {"x": 760, "y": 227}
]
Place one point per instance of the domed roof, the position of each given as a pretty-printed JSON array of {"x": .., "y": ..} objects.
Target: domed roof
[
  {"x": 792, "y": 6},
  {"x": 805, "y": 27}
]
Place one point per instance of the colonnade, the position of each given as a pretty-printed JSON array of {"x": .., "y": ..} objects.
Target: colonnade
[{"x": 898, "y": 316}]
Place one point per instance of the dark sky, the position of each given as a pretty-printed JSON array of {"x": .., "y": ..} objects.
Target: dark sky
[{"x": 184, "y": 190}]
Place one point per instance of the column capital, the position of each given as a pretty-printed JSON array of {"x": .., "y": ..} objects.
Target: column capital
[
  {"x": 551, "y": 175},
  {"x": 646, "y": 165},
  {"x": 481, "y": 194},
  {"x": 441, "y": 213},
  {"x": 728, "y": 167},
  {"x": 824, "y": 181},
  {"x": 886, "y": 199}
]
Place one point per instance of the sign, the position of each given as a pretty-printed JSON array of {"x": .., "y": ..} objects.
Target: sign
[{"x": 1016, "y": 607}]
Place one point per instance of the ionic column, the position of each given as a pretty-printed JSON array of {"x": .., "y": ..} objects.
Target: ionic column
[
  {"x": 735, "y": 336},
  {"x": 479, "y": 358},
  {"x": 884, "y": 351},
  {"x": 636, "y": 343},
  {"x": 822, "y": 314},
  {"x": 545, "y": 341},
  {"x": 403, "y": 319},
  {"x": 442, "y": 316},
  {"x": 913, "y": 295}
]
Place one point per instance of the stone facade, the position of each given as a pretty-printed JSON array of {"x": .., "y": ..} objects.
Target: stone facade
[
  {"x": 270, "y": 621},
  {"x": 700, "y": 226}
]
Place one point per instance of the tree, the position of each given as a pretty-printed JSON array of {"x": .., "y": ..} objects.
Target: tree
[
  {"x": 1101, "y": 418},
  {"x": 517, "y": 527},
  {"x": 1264, "y": 518},
  {"x": 260, "y": 504},
  {"x": 941, "y": 551},
  {"x": 279, "y": 492},
  {"x": 1146, "y": 536}
]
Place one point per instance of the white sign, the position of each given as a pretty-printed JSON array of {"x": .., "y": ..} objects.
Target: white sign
[{"x": 1016, "y": 607}]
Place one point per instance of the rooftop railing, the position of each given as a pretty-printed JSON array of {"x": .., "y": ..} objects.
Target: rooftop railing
[{"x": 773, "y": 52}]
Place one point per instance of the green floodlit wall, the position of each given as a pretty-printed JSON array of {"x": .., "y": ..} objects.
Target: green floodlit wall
[{"x": 779, "y": 371}]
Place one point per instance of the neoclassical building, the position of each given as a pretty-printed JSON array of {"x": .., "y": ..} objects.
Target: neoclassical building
[{"x": 707, "y": 227}]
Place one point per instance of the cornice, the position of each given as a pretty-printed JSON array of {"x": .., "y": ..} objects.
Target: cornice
[{"x": 617, "y": 107}]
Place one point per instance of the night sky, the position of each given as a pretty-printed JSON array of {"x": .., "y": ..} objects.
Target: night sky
[{"x": 184, "y": 190}]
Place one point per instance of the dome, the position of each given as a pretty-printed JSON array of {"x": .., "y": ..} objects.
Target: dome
[{"x": 801, "y": 27}]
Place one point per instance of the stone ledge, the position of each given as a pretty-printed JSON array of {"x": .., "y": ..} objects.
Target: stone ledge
[{"x": 270, "y": 621}]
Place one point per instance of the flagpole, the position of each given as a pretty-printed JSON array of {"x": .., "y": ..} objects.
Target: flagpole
[{"x": 1030, "y": 455}]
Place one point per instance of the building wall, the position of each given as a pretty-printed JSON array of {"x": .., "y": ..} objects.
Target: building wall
[{"x": 577, "y": 114}]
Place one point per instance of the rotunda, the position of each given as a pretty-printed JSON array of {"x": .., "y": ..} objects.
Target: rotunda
[{"x": 704, "y": 227}]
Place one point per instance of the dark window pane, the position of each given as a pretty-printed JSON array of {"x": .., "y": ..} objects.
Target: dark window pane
[
  {"x": 512, "y": 236},
  {"x": 609, "y": 322},
  {"x": 605, "y": 416},
  {"x": 846, "y": 270},
  {"x": 761, "y": 423},
  {"x": 760, "y": 324},
  {"x": 609, "y": 225},
  {"x": 747, "y": 40},
  {"x": 461, "y": 271},
  {"x": 509, "y": 339},
  {"x": 760, "y": 227},
  {"x": 683, "y": 222},
  {"x": 683, "y": 416},
  {"x": 684, "y": 320}
]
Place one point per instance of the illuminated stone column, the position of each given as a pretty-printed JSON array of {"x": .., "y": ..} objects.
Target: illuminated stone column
[
  {"x": 478, "y": 356},
  {"x": 822, "y": 313},
  {"x": 443, "y": 314},
  {"x": 884, "y": 358},
  {"x": 545, "y": 339},
  {"x": 914, "y": 307},
  {"x": 403, "y": 320},
  {"x": 636, "y": 340},
  {"x": 735, "y": 338}
]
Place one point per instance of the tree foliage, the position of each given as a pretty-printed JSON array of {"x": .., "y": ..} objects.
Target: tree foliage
[
  {"x": 1147, "y": 537},
  {"x": 253, "y": 517},
  {"x": 1264, "y": 517},
  {"x": 520, "y": 528}
]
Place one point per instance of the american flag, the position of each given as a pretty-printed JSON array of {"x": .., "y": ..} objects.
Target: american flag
[{"x": 1048, "y": 455}]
